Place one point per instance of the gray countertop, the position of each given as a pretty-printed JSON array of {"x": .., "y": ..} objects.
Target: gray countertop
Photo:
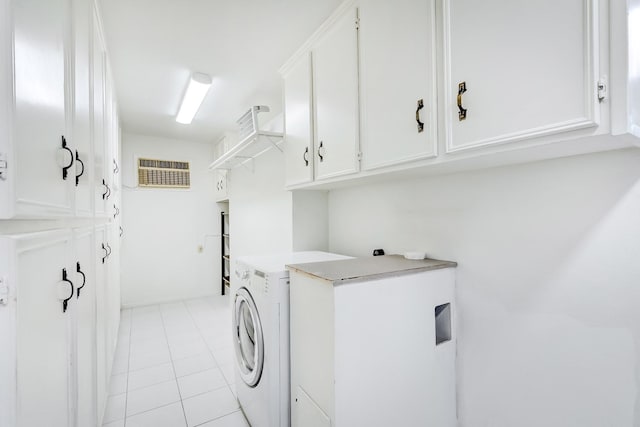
[{"x": 368, "y": 268}]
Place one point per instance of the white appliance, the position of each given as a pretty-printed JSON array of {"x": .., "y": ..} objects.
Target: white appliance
[
  {"x": 261, "y": 335},
  {"x": 373, "y": 343}
]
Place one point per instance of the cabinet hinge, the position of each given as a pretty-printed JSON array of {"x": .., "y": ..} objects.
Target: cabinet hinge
[
  {"x": 359, "y": 155},
  {"x": 4, "y": 291},
  {"x": 602, "y": 89},
  {"x": 3, "y": 166},
  {"x": 357, "y": 23}
]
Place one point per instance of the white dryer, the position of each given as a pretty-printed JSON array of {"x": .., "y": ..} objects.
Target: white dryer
[{"x": 261, "y": 335}]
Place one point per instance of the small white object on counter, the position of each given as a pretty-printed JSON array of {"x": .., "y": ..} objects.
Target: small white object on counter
[{"x": 415, "y": 255}]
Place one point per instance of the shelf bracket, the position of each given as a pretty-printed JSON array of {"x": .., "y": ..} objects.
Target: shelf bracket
[
  {"x": 275, "y": 143},
  {"x": 245, "y": 161}
]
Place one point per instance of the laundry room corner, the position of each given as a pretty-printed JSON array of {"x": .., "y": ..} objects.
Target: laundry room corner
[{"x": 169, "y": 240}]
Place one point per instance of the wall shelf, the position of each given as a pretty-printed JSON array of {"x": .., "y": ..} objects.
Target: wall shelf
[
  {"x": 247, "y": 149},
  {"x": 253, "y": 141}
]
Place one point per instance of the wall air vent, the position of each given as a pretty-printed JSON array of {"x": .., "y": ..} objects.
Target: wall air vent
[{"x": 163, "y": 174}]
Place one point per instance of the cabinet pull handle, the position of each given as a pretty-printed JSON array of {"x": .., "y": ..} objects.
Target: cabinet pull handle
[
  {"x": 420, "y": 107},
  {"x": 109, "y": 249},
  {"x": 65, "y": 169},
  {"x": 305, "y": 156},
  {"x": 121, "y": 231},
  {"x": 117, "y": 211},
  {"x": 321, "y": 152},
  {"x": 116, "y": 168},
  {"x": 66, "y": 301},
  {"x": 462, "y": 112},
  {"x": 82, "y": 171},
  {"x": 106, "y": 253},
  {"x": 84, "y": 279},
  {"x": 107, "y": 191}
]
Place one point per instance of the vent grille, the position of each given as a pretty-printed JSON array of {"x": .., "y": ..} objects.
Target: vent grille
[{"x": 163, "y": 174}]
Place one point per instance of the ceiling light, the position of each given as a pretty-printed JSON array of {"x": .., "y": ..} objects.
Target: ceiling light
[{"x": 197, "y": 89}]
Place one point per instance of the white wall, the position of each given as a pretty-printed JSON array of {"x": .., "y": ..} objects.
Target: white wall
[
  {"x": 163, "y": 228},
  {"x": 548, "y": 283},
  {"x": 262, "y": 219},
  {"x": 259, "y": 207}
]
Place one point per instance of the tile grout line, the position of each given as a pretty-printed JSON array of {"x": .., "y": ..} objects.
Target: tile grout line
[{"x": 173, "y": 367}]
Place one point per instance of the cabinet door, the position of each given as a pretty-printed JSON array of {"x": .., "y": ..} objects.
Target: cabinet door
[
  {"x": 112, "y": 286},
  {"x": 102, "y": 360},
  {"x": 43, "y": 329},
  {"x": 521, "y": 68},
  {"x": 98, "y": 129},
  {"x": 298, "y": 147},
  {"x": 335, "y": 90},
  {"x": 41, "y": 34},
  {"x": 82, "y": 108},
  {"x": 397, "y": 81},
  {"x": 86, "y": 327},
  {"x": 221, "y": 193}
]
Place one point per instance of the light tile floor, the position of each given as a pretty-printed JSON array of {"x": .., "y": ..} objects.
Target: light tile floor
[{"x": 174, "y": 367}]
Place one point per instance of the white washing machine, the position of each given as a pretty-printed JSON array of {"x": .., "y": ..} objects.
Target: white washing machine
[{"x": 261, "y": 335}]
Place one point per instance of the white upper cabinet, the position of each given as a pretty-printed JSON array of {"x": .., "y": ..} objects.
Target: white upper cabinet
[
  {"x": 625, "y": 68},
  {"x": 41, "y": 158},
  {"x": 518, "y": 69},
  {"x": 221, "y": 193},
  {"x": 81, "y": 108},
  {"x": 335, "y": 92},
  {"x": 101, "y": 181},
  {"x": 398, "y": 81},
  {"x": 298, "y": 144}
]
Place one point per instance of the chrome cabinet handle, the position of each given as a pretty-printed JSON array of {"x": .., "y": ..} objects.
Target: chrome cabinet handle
[
  {"x": 305, "y": 156},
  {"x": 106, "y": 253},
  {"x": 117, "y": 211},
  {"x": 116, "y": 168},
  {"x": 462, "y": 112},
  {"x": 65, "y": 169},
  {"x": 420, "y": 123},
  {"x": 82, "y": 171},
  {"x": 84, "y": 279}
]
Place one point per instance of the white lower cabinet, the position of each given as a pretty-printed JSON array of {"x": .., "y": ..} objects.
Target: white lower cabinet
[
  {"x": 58, "y": 325},
  {"x": 39, "y": 277},
  {"x": 85, "y": 359},
  {"x": 373, "y": 343}
]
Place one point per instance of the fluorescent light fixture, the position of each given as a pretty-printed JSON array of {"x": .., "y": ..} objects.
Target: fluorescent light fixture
[{"x": 197, "y": 89}]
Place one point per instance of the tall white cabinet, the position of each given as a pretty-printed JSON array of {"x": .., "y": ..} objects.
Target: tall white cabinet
[
  {"x": 41, "y": 284},
  {"x": 59, "y": 160}
]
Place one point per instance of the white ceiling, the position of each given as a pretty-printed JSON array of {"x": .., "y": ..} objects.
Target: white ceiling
[{"x": 154, "y": 45}]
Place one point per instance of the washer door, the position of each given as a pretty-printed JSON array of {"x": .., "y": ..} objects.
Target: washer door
[{"x": 247, "y": 340}]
